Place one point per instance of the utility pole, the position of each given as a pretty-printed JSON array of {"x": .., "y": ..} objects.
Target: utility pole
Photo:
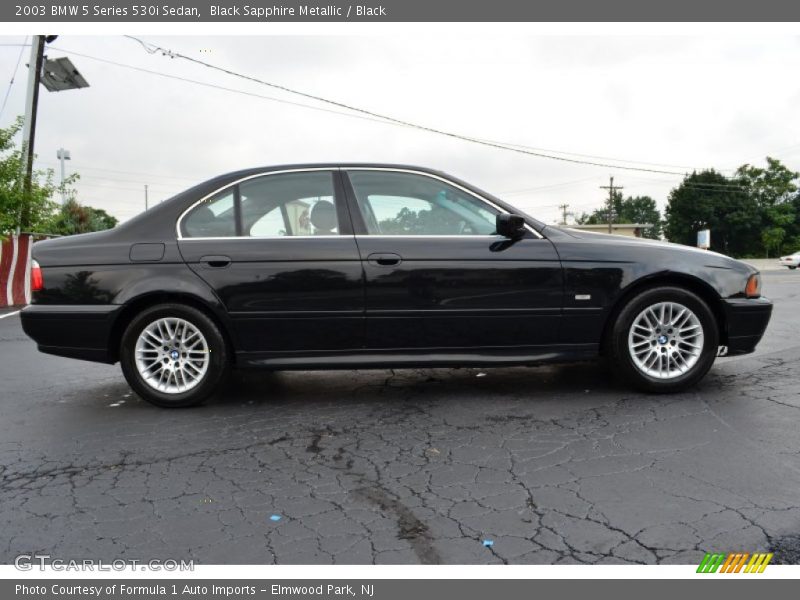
[
  {"x": 57, "y": 75},
  {"x": 29, "y": 129},
  {"x": 145, "y": 196},
  {"x": 63, "y": 155},
  {"x": 564, "y": 213},
  {"x": 611, "y": 189}
]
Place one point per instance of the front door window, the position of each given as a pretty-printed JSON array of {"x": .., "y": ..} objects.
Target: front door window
[{"x": 396, "y": 203}]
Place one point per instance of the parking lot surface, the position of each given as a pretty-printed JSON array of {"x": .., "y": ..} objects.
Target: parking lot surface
[{"x": 554, "y": 464}]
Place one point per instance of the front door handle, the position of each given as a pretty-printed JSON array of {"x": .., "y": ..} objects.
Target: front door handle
[
  {"x": 217, "y": 262},
  {"x": 384, "y": 259}
]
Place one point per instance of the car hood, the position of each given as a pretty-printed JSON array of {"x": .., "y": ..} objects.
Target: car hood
[{"x": 630, "y": 244}]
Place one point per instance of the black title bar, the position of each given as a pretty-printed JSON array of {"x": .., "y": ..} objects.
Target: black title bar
[{"x": 402, "y": 11}]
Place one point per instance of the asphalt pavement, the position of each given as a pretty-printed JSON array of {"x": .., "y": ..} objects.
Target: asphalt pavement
[{"x": 542, "y": 465}]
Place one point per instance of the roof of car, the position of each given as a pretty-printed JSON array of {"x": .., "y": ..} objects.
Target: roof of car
[{"x": 337, "y": 165}]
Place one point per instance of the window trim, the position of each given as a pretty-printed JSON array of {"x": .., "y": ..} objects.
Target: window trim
[
  {"x": 235, "y": 184},
  {"x": 342, "y": 195},
  {"x": 366, "y": 233},
  {"x": 237, "y": 211}
]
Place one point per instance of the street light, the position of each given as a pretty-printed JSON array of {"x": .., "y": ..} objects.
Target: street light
[
  {"x": 60, "y": 74},
  {"x": 62, "y": 156}
]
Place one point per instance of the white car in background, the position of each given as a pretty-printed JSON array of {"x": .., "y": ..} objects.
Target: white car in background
[{"x": 792, "y": 261}]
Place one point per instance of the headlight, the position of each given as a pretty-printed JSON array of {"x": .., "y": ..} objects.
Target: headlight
[{"x": 753, "y": 287}]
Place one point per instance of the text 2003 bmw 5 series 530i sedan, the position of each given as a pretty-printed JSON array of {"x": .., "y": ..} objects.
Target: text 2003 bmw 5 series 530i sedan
[{"x": 367, "y": 266}]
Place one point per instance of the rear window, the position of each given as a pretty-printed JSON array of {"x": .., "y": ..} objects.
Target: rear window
[
  {"x": 285, "y": 204},
  {"x": 214, "y": 217}
]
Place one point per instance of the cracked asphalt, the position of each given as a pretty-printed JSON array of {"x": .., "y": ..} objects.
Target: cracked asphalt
[{"x": 552, "y": 464}]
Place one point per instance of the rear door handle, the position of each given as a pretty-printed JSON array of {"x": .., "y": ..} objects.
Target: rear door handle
[
  {"x": 384, "y": 259},
  {"x": 217, "y": 262}
]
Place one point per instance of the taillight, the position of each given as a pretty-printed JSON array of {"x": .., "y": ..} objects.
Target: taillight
[
  {"x": 753, "y": 287},
  {"x": 37, "y": 281}
]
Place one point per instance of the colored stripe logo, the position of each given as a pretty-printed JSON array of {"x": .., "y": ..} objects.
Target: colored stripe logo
[{"x": 735, "y": 562}]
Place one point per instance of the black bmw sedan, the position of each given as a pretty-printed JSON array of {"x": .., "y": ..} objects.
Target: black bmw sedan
[{"x": 371, "y": 266}]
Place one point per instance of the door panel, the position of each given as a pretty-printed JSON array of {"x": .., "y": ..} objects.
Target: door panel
[
  {"x": 461, "y": 292},
  {"x": 286, "y": 294},
  {"x": 299, "y": 287},
  {"x": 437, "y": 275}
]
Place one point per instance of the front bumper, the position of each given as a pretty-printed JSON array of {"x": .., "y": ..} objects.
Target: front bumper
[
  {"x": 80, "y": 331},
  {"x": 746, "y": 319}
]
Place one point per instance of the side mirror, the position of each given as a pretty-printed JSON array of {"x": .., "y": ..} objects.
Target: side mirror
[{"x": 510, "y": 226}]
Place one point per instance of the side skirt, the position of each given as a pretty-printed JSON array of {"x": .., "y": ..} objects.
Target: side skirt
[{"x": 430, "y": 358}]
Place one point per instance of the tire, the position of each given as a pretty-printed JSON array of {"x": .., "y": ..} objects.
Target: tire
[
  {"x": 685, "y": 356},
  {"x": 178, "y": 375},
  {"x": 792, "y": 268}
]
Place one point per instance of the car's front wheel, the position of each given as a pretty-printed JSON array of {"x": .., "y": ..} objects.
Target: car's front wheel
[
  {"x": 664, "y": 340},
  {"x": 173, "y": 355}
]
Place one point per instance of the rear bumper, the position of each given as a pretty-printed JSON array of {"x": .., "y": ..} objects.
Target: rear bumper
[
  {"x": 81, "y": 331},
  {"x": 747, "y": 319}
]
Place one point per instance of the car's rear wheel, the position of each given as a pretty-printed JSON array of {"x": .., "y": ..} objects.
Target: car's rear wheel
[
  {"x": 173, "y": 355},
  {"x": 665, "y": 339}
]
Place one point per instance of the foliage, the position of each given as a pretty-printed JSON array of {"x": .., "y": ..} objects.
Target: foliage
[
  {"x": 754, "y": 213},
  {"x": 633, "y": 209},
  {"x": 709, "y": 200},
  {"x": 18, "y": 209},
  {"x": 35, "y": 210},
  {"x": 74, "y": 218},
  {"x": 774, "y": 189}
]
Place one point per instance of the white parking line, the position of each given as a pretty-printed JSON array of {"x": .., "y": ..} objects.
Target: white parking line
[{"x": 11, "y": 314}]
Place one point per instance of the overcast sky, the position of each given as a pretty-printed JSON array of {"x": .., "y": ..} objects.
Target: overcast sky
[{"x": 680, "y": 102}]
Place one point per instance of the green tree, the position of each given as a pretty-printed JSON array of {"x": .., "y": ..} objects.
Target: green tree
[
  {"x": 633, "y": 209},
  {"x": 75, "y": 218},
  {"x": 18, "y": 210},
  {"x": 792, "y": 240},
  {"x": 754, "y": 213},
  {"x": 708, "y": 200},
  {"x": 36, "y": 210},
  {"x": 774, "y": 190}
]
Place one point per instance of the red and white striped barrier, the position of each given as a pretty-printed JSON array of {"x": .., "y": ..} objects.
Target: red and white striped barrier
[{"x": 15, "y": 270}]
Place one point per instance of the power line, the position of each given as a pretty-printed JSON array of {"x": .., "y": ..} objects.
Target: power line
[
  {"x": 547, "y": 187},
  {"x": 169, "y": 185},
  {"x": 154, "y": 49},
  {"x": 699, "y": 183},
  {"x": 83, "y": 176},
  {"x": 376, "y": 118},
  {"x": 13, "y": 74},
  {"x": 624, "y": 160},
  {"x": 118, "y": 187},
  {"x": 718, "y": 187},
  {"x": 217, "y": 87},
  {"x": 261, "y": 96},
  {"x": 80, "y": 168}
]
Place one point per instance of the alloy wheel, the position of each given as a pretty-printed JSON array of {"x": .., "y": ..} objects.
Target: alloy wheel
[
  {"x": 171, "y": 355},
  {"x": 665, "y": 340}
]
